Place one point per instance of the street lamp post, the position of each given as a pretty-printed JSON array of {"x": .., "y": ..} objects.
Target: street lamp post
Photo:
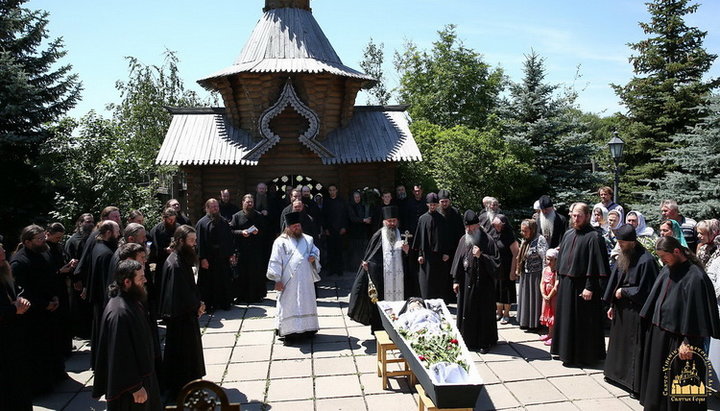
[{"x": 616, "y": 146}]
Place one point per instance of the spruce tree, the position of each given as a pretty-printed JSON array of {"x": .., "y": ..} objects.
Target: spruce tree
[
  {"x": 543, "y": 118},
  {"x": 695, "y": 182},
  {"x": 668, "y": 85},
  {"x": 34, "y": 93}
]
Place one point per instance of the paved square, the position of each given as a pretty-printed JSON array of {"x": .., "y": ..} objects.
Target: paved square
[{"x": 337, "y": 370}]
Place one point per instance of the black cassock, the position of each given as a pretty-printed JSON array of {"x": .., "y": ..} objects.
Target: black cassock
[
  {"x": 125, "y": 357},
  {"x": 14, "y": 367},
  {"x": 97, "y": 293},
  {"x": 179, "y": 303},
  {"x": 160, "y": 236},
  {"x": 215, "y": 244},
  {"x": 623, "y": 364},
  {"x": 35, "y": 275},
  {"x": 360, "y": 308},
  {"x": 681, "y": 306},
  {"x": 475, "y": 277},
  {"x": 432, "y": 241},
  {"x": 80, "y": 309},
  {"x": 249, "y": 284},
  {"x": 582, "y": 261}
]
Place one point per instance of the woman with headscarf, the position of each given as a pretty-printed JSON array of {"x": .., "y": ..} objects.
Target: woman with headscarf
[
  {"x": 671, "y": 228},
  {"x": 707, "y": 232},
  {"x": 600, "y": 214},
  {"x": 637, "y": 220},
  {"x": 529, "y": 267}
]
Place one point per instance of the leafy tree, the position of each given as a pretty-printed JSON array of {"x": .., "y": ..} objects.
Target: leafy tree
[
  {"x": 542, "y": 118},
  {"x": 449, "y": 85},
  {"x": 35, "y": 91},
  {"x": 669, "y": 67},
  {"x": 695, "y": 181},
  {"x": 373, "y": 57},
  {"x": 470, "y": 163},
  {"x": 112, "y": 161}
]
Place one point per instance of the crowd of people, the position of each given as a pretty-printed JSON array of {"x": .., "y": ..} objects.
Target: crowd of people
[
  {"x": 570, "y": 281},
  {"x": 113, "y": 282}
]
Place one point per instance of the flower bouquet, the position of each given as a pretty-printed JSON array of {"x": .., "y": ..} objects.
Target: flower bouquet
[{"x": 434, "y": 349}]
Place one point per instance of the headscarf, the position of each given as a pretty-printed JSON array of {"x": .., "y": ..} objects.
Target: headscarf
[
  {"x": 604, "y": 211},
  {"x": 642, "y": 229},
  {"x": 620, "y": 218},
  {"x": 677, "y": 232}
]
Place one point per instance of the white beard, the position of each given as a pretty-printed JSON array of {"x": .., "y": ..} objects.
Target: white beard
[
  {"x": 471, "y": 239},
  {"x": 547, "y": 223}
]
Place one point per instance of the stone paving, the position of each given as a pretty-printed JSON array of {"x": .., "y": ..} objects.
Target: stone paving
[{"x": 337, "y": 369}]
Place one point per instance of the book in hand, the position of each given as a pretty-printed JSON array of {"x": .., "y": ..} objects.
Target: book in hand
[{"x": 251, "y": 229}]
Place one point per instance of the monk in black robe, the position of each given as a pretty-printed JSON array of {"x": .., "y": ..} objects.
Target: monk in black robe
[
  {"x": 630, "y": 282},
  {"x": 248, "y": 226},
  {"x": 125, "y": 363},
  {"x": 433, "y": 248},
  {"x": 80, "y": 309},
  {"x": 476, "y": 260},
  {"x": 582, "y": 262},
  {"x": 682, "y": 311},
  {"x": 100, "y": 260},
  {"x": 35, "y": 274},
  {"x": 14, "y": 370},
  {"x": 160, "y": 238},
  {"x": 385, "y": 251},
  {"x": 216, "y": 250},
  {"x": 180, "y": 307}
]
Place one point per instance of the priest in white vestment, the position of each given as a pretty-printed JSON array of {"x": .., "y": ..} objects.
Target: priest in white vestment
[{"x": 294, "y": 264}]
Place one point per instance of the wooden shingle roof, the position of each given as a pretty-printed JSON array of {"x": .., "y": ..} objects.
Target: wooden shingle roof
[
  {"x": 287, "y": 40},
  {"x": 207, "y": 137}
]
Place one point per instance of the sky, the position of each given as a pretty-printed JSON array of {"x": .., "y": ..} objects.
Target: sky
[{"x": 584, "y": 43}]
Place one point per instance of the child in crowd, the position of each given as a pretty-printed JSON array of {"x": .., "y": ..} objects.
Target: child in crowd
[{"x": 549, "y": 289}]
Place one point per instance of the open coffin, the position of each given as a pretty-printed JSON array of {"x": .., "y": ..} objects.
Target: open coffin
[{"x": 444, "y": 394}]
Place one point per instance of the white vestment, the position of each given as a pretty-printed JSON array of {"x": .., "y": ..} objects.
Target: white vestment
[
  {"x": 297, "y": 308},
  {"x": 393, "y": 274}
]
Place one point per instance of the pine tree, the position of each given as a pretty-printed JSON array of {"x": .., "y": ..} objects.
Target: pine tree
[
  {"x": 695, "y": 182},
  {"x": 668, "y": 85},
  {"x": 35, "y": 91},
  {"x": 543, "y": 118}
]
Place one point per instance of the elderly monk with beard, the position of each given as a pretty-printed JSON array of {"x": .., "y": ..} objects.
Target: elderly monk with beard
[
  {"x": 473, "y": 271},
  {"x": 384, "y": 263},
  {"x": 630, "y": 282},
  {"x": 551, "y": 224},
  {"x": 294, "y": 264},
  {"x": 125, "y": 369},
  {"x": 180, "y": 306},
  {"x": 582, "y": 262}
]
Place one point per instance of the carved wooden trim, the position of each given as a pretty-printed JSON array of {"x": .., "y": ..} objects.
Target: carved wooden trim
[{"x": 288, "y": 97}]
